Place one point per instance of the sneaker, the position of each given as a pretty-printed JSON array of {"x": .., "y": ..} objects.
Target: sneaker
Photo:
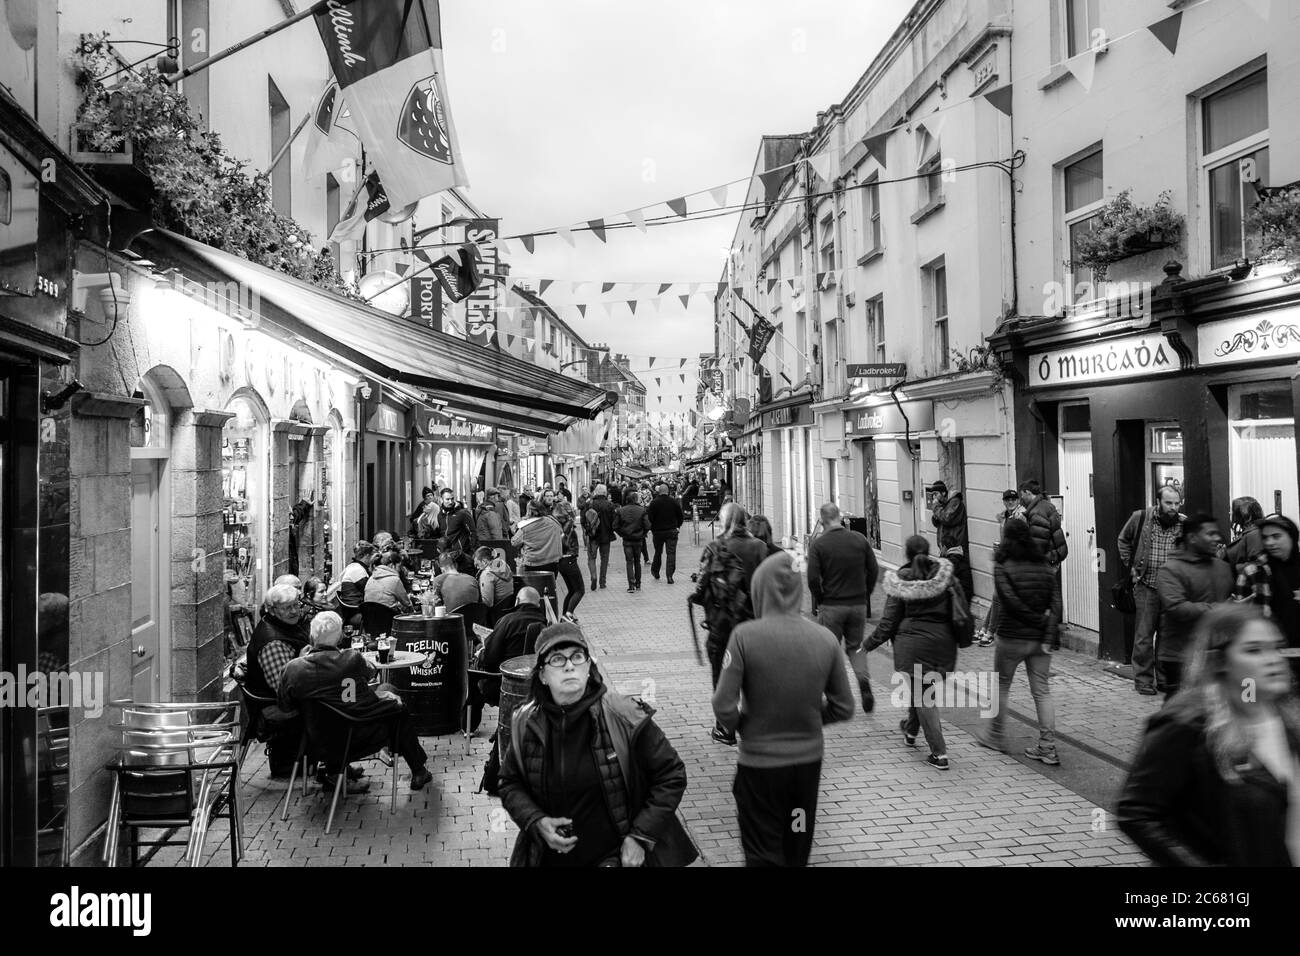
[
  {"x": 909, "y": 739},
  {"x": 631, "y": 590},
  {"x": 571, "y": 618},
  {"x": 1046, "y": 756},
  {"x": 937, "y": 762},
  {"x": 420, "y": 779}
]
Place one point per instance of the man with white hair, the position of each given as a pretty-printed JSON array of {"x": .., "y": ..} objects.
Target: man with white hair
[
  {"x": 342, "y": 678},
  {"x": 278, "y": 638}
]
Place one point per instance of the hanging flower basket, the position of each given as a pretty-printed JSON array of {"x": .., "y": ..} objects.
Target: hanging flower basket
[
  {"x": 1277, "y": 218},
  {"x": 1124, "y": 229}
]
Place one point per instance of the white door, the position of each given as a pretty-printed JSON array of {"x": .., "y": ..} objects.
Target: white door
[
  {"x": 146, "y": 579},
  {"x": 1079, "y": 582}
]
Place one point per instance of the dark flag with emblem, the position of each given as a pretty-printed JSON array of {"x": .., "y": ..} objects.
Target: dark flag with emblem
[
  {"x": 387, "y": 58},
  {"x": 457, "y": 271},
  {"x": 369, "y": 203},
  {"x": 759, "y": 337}
]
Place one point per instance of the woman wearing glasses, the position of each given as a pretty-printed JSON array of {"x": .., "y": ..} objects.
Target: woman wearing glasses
[{"x": 589, "y": 778}]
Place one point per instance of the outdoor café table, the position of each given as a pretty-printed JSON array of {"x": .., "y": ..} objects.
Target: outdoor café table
[{"x": 396, "y": 660}]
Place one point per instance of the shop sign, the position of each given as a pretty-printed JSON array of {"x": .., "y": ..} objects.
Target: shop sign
[
  {"x": 459, "y": 431},
  {"x": 788, "y": 416},
  {"x": 385, "y": 419},
  {"x": 1129, "y": 357},
  {"x": 888, "y": 420},
  {"x": 1249, "y": 338},
  {"x": 879, "y": 370}
]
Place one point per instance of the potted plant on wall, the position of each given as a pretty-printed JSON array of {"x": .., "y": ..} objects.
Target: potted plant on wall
[
  {"x": 1277, "y": 217},
  {"x": 1125, "y": 229}
]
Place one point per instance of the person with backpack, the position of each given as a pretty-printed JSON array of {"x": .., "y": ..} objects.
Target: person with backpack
[
  {"x": 722, "y": 584},
  {"x": 540, "y": 540},
  {"x": 1145, "y": 543},
  {"x": 1023, "y": 583},
  {"x": 924, "y": 603},
  {"x": 1045, "y": 525},
  {"x": 563, "y": 512},
  {"x": 598, "y": 520}
]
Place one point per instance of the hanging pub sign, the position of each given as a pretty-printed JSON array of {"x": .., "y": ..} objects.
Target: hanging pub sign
[
  {"x": 1133, "y": 356},
  {"x": 480, "y": 321},
  {"x": 1250, "y": 338},
  {"x": 426, "y": 301}
]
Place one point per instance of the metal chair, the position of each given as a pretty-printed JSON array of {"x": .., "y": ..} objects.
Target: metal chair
[
  {"x": 177, "y": 766},
  {"x": 324, "y": 725},
  {"x": 530, "y": 644}
]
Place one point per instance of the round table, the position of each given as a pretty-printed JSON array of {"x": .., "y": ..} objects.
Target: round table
[{"x": 396, "y": 659}]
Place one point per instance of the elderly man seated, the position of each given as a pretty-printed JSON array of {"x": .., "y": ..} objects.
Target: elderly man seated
[
  {"x": 507, "y": 640},
  {"x": 278, "y": 638},
  {"x": 341, "y": 678}
]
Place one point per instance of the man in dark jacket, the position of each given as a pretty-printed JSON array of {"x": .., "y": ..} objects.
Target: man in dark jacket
[
  {"x": 342, "y": 678},
  {"x": 632, "y": 526},
  {"x": 690, "y": 494},
  {"x": 1272, "y": 581},
  {"x": 1145, "y": 543},
  {"x": 1192, "y": 581},
  {"x": 842, "y": 572},
  {"x": 665, "y": 514},
  {"x": 788, "y": 673},
  {"x": 948, "y": 515},
  {"x": 1045, "y": 526},
  {"x": 600, "y": 534},
  {"x": 278, "y": 638}
]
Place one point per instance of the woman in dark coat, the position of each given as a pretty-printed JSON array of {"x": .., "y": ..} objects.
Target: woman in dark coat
[
  {"x": 1023, "y": 583},
  {"x": 1217, "y": 779},
  {"x": 761, "y": 529},
  {"x": 918, "y": 619},
  {"x": 588, "y": 777},
  {"x": 1247, "y": 540}
]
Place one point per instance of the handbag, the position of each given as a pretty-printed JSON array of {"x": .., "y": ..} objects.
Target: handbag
[{"x": 1121, "y": 595}]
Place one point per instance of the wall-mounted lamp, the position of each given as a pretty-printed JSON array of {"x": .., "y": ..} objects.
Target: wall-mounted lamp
[
  {"x": 365, "y": 390},
  {"x": 53, "y": 401}
]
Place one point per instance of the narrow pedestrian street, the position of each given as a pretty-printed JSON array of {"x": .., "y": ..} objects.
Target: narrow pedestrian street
[{"x": 880, "y": 804}]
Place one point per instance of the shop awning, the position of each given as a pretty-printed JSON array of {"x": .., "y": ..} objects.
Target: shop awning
[
  {"x": 712, "y": 456},
  {"x": 499, "y": 385}
]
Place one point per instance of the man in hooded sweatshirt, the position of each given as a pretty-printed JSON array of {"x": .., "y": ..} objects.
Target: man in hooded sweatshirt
[
  {"x": 1272, "y": 581},
  {"x": 788, "y": 672},
  {"x": 1192, "y": 581}
]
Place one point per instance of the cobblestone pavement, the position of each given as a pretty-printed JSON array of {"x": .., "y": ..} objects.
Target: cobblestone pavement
[{"x": 880, "y": 803}]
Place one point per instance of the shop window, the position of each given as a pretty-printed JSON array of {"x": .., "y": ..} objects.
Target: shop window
[
  {"x": 876, "y": 328},
  {"x": 1262, "y": 446},
  {"x": 1234, "y": 156},
  {"x": 1076, "y": 418},
  {"x": 243, "y": 487},
  {"x": 871, "y": 214},
  {"x": 1084, "y": 198},
  {"x": 935, "y": 288},
  {"x": 1165, "y": 459}
]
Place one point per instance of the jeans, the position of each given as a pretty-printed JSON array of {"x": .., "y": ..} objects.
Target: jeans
[
  {"x": 994, "y": 616},
  {"x": 776, "y": 808},
  {"x": 1058, "y": 609},
  {"x": 592, "y": 548},
  {"x": 847, "y": 622},
  {"x": 632, "y": 554},
  {"x": 574, "y": 589},
  {"x": 665, "y": 544},
  {"x": 1007, "y": 655},
  {"x": 925, "y": 717},
  {"x": 1147, "y": 601}
]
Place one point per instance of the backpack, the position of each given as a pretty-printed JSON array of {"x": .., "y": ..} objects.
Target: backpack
[
  {"x": 728, "y": 603},
  {"x": 591, "y": 523}
]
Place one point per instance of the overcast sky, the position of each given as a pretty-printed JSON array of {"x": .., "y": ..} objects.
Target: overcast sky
[{"x": 569, "y": 110}]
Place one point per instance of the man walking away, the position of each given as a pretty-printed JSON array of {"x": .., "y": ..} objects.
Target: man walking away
[
  {"x": 788, "y": 673},
  {"x": 666, "y": 517},
  {"x": 600, "y": 532},
  {"x": 1272, "y": 581},
  {"x": 1045, "y": 525},
  {"x": 1145, "y": 543},
  {"x": 632, "y": 525},
  {"x": 1192, "y": 581},
  {"x": 948, "y": 515},
  {"x": 842, "y": 573}
]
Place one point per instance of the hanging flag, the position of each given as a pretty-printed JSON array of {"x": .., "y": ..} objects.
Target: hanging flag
[
  {"x": 1166, "y": 31},
  {"x": 369, "y": 202},
  {"x": 510, "y": 340},
  {"x": 760, "y": 334},
  {"x": 457, "y": 272},
  {"x": 652, "y": 361},
  {"x": 387, "y": 58},
  {"x": 330, "y": 142},
  {"x": 683, "y": 378},
  {"x": 597, "y": 226},
  {"x": 999, "y": 98},
  {"x": 771, "y": 284},
  {"x": 637, "y": 218},
  {"x": 678, "y": 206},
  {"x": 1081, "y": 67},
  {"x": 719, "y": 194},
  {"x": 875, "y": 146},
  {"x": 528, "y": 242}
]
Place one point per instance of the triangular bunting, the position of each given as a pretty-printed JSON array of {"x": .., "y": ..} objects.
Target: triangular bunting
[
  {"x": 658, "y": 382},
  {"x": 652, "y": 361},
  {"x": 719, "y": 195},
  {"x": 582, "y": 309},
  {"x": 686, "y": 304},
  {"x": 543, "y": 285},
  {"x": 664, "y": 287},
  {"x": 1166, "y": 31},
  {"x": 565, "y": 233},
  {"x": 528, "y": 243},
  {"x": 772, "y": 182},
  {"x": 821, "y": 165},
  {"x": 682, "y": 364},
  {"x": 606, "y": 287},
  {"x": 402, "y": 268},
  {"x": 637, "y": 218},
  {"x": 598, "y": 228},
  {"x": 1000, "y": 99},
  {"x": 678, "y": 206},
  {"x": 1082, "y": 67},
  {"x": 875, "y": 146},
  {"x": 661, "y": 399},
  {"x": 683, "y": 378},
  {"x": 510, "y": 340},
  {"x": 631, "y": 304},
  {"x": 423, "y": 256},
  {"x": 771, "y": 284},
  {"x": 934, "y": 124}
]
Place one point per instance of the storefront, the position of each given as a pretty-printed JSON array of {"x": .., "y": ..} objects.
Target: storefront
[
  {"x": 1204, "y": 402},
  {"x": 453, "y": 454},
  {"x": 886, "y": 448},
  {"x": 386, "y": 457},
  {"x": 791, "y": 493},
  {"x": 533, "y": 456}
]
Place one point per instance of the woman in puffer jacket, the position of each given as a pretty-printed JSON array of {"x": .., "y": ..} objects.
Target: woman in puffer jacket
[
  {"x": 1023, "y": 582},
  {"x": 918, "y": 619}
]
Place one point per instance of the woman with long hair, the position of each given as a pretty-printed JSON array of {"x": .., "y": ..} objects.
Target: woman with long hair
[
  {"x": 588, "y": 777},
  {"x": 761, "y": 529},
  {"x": 918, "y": 619},
  {"x": 1247, "y": 540},
  {"x": 1217, "y": 779},
  {"x": 564, "y": 512},
  {"x": 1023, "y": 584}
]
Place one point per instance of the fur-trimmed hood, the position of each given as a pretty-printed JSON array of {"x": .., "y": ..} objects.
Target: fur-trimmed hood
[{"x": 903, "y": 585}]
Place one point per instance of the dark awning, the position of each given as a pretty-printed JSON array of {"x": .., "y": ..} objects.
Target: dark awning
[{"x": 499, "y": 385}]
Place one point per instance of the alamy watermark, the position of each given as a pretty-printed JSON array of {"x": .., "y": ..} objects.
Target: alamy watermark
[
  {"x": 81, "y": 689},
  {"x": 923, "y": 688}
]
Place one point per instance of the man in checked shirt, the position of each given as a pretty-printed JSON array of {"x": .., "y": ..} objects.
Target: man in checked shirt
[
  {"x": 1145, "y": 544},
  {"x": 279, "y": 637}
]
